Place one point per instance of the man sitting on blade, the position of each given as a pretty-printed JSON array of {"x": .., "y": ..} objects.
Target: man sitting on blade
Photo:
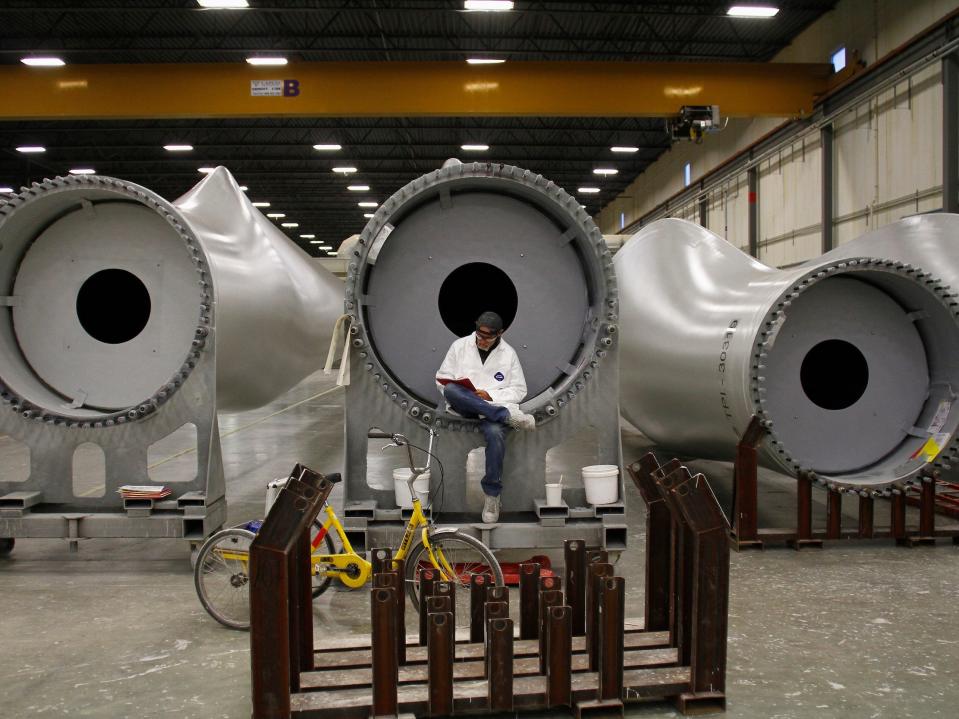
[{"x": 481, "y": 378}]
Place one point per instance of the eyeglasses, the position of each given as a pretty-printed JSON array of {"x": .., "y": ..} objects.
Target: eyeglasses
[{"x": 486, "y": 335}]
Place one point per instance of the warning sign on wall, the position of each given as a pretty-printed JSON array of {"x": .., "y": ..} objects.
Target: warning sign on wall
[{"x": 274, "y": 88}]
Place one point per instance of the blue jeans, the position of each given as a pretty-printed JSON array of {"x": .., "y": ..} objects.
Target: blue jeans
[{"x": 494, "y": 429}]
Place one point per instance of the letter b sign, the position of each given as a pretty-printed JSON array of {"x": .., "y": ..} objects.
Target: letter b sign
[{"x": 291, "y": 88}]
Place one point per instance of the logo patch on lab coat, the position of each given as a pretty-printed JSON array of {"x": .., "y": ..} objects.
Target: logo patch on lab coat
[{"x": 499, "y": 376}]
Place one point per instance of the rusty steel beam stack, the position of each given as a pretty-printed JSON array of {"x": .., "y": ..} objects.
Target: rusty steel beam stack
[{"x": 574, "y": 646}]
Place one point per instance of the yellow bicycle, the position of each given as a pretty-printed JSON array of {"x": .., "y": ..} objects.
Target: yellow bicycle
[{"x": 221, "y": 574}]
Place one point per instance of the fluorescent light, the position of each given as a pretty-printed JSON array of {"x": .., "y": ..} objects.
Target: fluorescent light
[
  {"x": 307, "y": 237},
  {"x": 267, "y": 60},
  {"x": 290, "y": 224},
  {"x": 758, "y": 11},
  {"x": 316, "y": 242},
  {"x": 6, "y": 190},
  {"x": 31, "y": 149},
  {"x": 368, "y": 215},
  {"x": 624, "y": 148},
  {"x": 332, "y": 253},
  {"x": 474, "y": 148},
  {"x": 326, "y": 247},
  {"x": 367, "y": 204},
  {"x": 345, "y": 170},
  {"x": 223, "y": 4},
  {"x": 605, "y": 171},
  {"x": 588, "y": 190},
  {"x": 358, "y": 188},
  {"x": 178, "y": 148},
  {"x": 83, "y": 171},
  {"x": 488, "y": 5},
  {"x": 206, "y": 170},
  {"x": 243, "y": 188},
  {"x": 42, "y": 61},
  {"x": 261, "y": 204},
  {"x": 327, "y": 148},
  {"x": 275, "y": 215},
  {"x": 583, "y": 206},
  {"x": 485, "y": 61}
]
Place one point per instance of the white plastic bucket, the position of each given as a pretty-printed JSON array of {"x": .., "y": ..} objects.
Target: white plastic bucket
[
  {"x": 402, "y": 490},
  {"x": 601, "y": 482},
  {"x": 554, "y": 495}
]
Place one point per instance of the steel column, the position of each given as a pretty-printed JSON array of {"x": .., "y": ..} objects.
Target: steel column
[
  {"x": 427, "y": 580},
  {"x": 950, "y": 133},
  {"x": 574, "y": 551},
  {"x": 834, "y": 515},
  {"x": 385, "y": 668},
  {"x": 594, "y": 577},
  {"x": 752, "y": 180},
  {"x": 559, "y": 656},
  {"x": 441, "y": 655},
  {"x": 827, "y": 186},
  {"x": 479, "y": 584},
  {"x": 500, "y": 665},
  {"x": 528, "y": 600}
]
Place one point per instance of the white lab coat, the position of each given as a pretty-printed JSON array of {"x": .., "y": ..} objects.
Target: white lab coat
[{"x": 501, "y": 376}]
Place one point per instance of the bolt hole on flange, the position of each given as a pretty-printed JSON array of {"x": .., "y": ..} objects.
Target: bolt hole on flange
[
  {"x": 472, "y": 289},
  {"x": 834, "y": 374},
  {"x": 113, "y": 306}
]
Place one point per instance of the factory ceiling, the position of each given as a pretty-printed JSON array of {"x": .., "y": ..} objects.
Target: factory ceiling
[{"x": 275, "y": 157}]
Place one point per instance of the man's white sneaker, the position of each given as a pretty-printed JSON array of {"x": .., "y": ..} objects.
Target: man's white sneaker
[
  {"x": 491, "y": 510},
  {"x": 520, "y": 420}
]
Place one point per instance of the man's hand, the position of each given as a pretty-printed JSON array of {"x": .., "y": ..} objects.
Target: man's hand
[{"x": 483, "y": 394}]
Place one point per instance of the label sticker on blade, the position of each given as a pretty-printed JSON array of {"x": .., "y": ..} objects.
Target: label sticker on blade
[
  {"x": 939, "y": 420},
  {"x": 499, "y": 376},
  {"x": 932, "y": 447}
]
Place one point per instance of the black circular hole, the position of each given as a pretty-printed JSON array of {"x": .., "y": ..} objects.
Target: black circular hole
[
  {"x": 473, "y": 289},
  {"x": 113, "y": 306},
  {"x": 834, "y": 374}
]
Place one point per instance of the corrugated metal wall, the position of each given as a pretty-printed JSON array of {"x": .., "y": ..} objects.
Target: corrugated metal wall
[{"x": 887, "y": 159}]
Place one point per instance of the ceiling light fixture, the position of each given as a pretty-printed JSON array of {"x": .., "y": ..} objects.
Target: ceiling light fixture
[
  {"x": 261, "y": 204},
  {"x": 6, "y": 190},
  {"x": 267, "y": 60},
  {"x": 316, "y": 242},
  {"x": 474, "y": 148},
  {"x": 485, "y": 61},
  {"x": 588, "y": 190},
  {"x": 345, "y": 170},
  {"x": 243, "y": 188},
  {"x": 327, "y": 148},
  {"x": 358, "y": 188},
  {"x": 223, "y": 4},
  {"x": 206, "y": 170},
  {"x": 275, "y": 215},
  {"x": 178, "y": 148},
  {"x": 368, "y": 204},
  {"x": 605, "y": 171},
  {"x": 368, "y": 215},
  {"x": 290, "y": 224},
  {"x": 42, "y": 61},
  {"x": 83, "y": 171},
  {"x": 488, "y": 5},
  {"x": 624, "y": 148},
  {"x": 307, "y": 237},
  {"x": 332, "y": 253},
  {"x": 31, "y": 149},
  {"x": 753, "y": 11}
]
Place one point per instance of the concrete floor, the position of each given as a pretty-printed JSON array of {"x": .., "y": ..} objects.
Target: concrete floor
[{"x": 855, "y": 630}]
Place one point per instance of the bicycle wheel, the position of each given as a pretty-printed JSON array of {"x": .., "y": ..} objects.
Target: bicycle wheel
[
  {"x": 465, "y": 554},
  {"x": 222, "y": 577},
  {"x": 321, "y": 580}
]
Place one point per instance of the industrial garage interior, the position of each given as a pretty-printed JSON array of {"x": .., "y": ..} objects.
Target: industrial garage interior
[{"x": 237, "y": 238}]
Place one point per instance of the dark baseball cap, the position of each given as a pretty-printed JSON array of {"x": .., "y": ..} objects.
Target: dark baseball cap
[{"x": 491, "y": 320}]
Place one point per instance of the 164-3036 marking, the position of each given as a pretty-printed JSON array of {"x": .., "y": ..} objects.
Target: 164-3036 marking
[{"x": 721, "y": 367}]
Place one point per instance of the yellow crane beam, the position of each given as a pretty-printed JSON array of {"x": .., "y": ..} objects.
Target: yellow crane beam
[{"x": 390, "y": 89}]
